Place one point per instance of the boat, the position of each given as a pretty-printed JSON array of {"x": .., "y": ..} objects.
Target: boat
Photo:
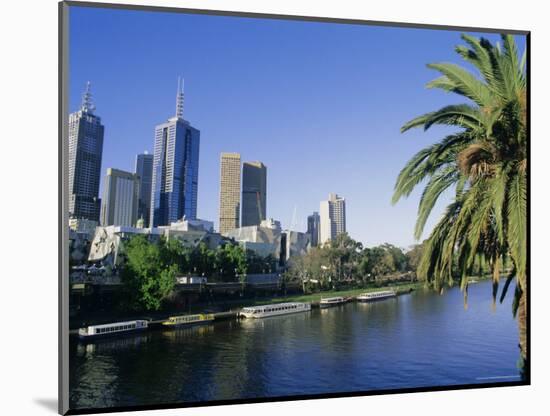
[
  {"x": 117, "y": 328},
  {"x": 185, "y": 320},
  {"x": 335, "y": 301},
  {"x": 265, "y": 311},
  {"x": 379, "y": 295}
]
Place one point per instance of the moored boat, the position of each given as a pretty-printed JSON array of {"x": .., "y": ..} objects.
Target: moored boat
[
  {"x": 334, "y": 301},
  {"x": 265, "y": 311},
  {"x": 379, "y": 295},
  {"x": 184, "y": 320},
  {"x": 116, "y": 328}
]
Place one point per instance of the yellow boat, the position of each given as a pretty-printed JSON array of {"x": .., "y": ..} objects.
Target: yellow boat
[{"x": 181, "y": 320}]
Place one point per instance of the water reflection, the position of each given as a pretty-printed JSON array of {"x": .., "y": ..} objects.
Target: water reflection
[
  {"x": 415, "y": 340},
  {"x": 106, "y": 344},
  {"x": 178, "y": 334}
]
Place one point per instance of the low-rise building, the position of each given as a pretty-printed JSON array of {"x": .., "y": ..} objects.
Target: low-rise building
[{"x": 263, "y": 239}]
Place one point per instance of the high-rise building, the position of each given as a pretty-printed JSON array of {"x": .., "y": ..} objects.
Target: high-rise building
[
  {"x": 254, "y": 193},
  {"x": 332, "y": 218},
  {"x": 314, "y": 228},
  {"x": 175, "y": 169},
  {"x": 230, "y": 191},
  {"x": 120, "y": 198},
  {"x": 85, "y": 152},
  {"x": 144, "y": 170}
]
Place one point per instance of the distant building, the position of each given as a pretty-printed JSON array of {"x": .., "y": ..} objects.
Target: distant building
[
  {"x": 314, "y": 228},
  {"x": 191, "y": 225},
  {"x": 263, "y": 239},
  {"x": 85, "y": 153},
  {"x": 294, "y": 243},
  {"x": 230, "y": 191},
  {"x": 175, "y": 169},
  {"x": 120, "y": 198},
  {"x": 332, "y": 218},
  {"x": 254, "y": 193},
  {"x": 106, "y": 243},
  {"x": 81, "y": 225},
  {"x": 144, "y": 171}
]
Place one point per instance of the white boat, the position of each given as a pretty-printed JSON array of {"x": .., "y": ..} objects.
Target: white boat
[
  {"x": 97, "y": 331},
  {"x": 328, "y": 302},
  {"x": 372, "y": 296},
  {"x": 273, "y": 310}
]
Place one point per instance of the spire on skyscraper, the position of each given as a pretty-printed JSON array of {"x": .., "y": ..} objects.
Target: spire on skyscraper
[
  {"x": 179, "y": 98},
  {"x": 87, "y": 103}
]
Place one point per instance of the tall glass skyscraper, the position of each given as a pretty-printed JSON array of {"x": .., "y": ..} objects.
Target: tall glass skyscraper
[
  {"x": 144, "y": 170},
  {"x": 314, "y": 228},
  {"x": 85, "y": 153},
  {"x": 254, "y": 193},
  {"x": 175, "y": 169}
]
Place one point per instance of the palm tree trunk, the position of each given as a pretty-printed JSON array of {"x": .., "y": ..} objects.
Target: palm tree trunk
[{"x": 522, "y": 326}]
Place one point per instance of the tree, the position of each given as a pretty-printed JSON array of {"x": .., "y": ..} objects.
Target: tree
[
  {"x": 230, "y": 262},
  {"x": 147, "y": 276},
  {"x": 174, "y": 252},
  {"x": 203, "y": 260},
  {"x": 485, "y": 163},
  {"x": 343, "y": 255},
  {"x": 399, "y": 258},
  {"x": 414, "y": 256}
]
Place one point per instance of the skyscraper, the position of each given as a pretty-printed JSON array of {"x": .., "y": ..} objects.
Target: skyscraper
[
  {"x": 230, "y": 191},
  {"x": 333, "y": 218},
  {"x": 254, "y": 193},
  {"x": 144, "y": 170},
  {"x": 85, "y": 152},
  {"x": 314, "y": 228},
  {"x": 120, "y": 198},
  {"x": 175, "y": 169}
]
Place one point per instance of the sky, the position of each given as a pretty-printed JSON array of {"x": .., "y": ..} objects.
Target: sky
[{"x": 320, "y": 104}]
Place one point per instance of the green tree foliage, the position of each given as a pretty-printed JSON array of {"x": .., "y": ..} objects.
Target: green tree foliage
[
  {"x": 149, "y": 269},
  {"x": 259, "y": 264},
  {"x": 414, "y": 255},
  {"x": 485, "y": 163},
  {"x": 147, "y": 275},
  {"x": 230, "y": 262},
  {"x": 345, "y": 259}
]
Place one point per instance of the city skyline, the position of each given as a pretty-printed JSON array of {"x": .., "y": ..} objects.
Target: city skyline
[{"x": 316, "y": 124}]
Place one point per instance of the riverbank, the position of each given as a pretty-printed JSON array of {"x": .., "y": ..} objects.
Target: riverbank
[
  {"x": 316, "y": 297},
  {"x": 220, "y": 308}
]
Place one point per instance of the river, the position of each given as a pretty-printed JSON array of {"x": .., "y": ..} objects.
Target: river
[{"x": 417, "y": 340}]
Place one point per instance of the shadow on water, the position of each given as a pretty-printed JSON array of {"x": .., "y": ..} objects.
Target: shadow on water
[
  {"x": 48, "y": 404},
  {"x": 422, "y": 339}
]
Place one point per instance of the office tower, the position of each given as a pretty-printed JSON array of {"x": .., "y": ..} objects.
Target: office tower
[
  {"x": 120, "y": 198},
  {"x": 230, "y": 191},
  {"x": 175, "y": 169},
  {"x": 85, "y": 152},
  {"x": 254, "y": 193},
  {"x": 144, "y": 171},
  {"x": 314, "y": 228},
  {"x": 333, "y": 218}
]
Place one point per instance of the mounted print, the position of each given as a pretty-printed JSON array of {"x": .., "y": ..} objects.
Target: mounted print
[{"x": 262, "y": 207}]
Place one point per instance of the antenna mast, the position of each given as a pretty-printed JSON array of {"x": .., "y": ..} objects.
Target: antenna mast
[{"x": 179, "y": 98}]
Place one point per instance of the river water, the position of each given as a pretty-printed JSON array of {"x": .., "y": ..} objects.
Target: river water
[{"x": 417, "y": 340}]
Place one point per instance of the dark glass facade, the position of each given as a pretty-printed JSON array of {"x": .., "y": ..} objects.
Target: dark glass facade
[
  {"x": 175, "y": 172},
  {"x": 144, "y": 170}
]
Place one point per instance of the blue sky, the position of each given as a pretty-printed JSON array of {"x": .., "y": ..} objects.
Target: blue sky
[{"x": 321, "y": 104}]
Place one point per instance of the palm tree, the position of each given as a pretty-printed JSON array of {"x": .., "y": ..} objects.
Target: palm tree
[{"x": 485, "y": 163}]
